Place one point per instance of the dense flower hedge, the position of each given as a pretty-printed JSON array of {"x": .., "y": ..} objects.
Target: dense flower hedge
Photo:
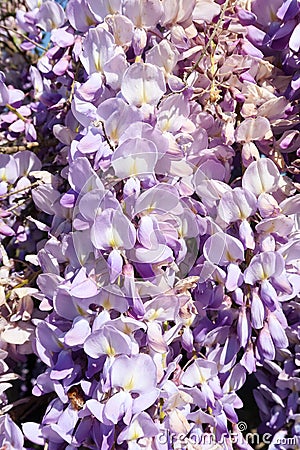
[{"x": 149, "y": 223}]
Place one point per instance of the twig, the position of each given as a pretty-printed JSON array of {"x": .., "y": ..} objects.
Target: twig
[
  {"x": 16, "y": 112},
  {"x": 20, "y": 203},
  {"x": 24, "y": 37},
  {"x": 73, "y": 84},
  {"x": 4, "y": 196},
  {"x": 17, "y": 148},
  {"x": 212, "y": 36},
  {"x": 106, "y": 136}
]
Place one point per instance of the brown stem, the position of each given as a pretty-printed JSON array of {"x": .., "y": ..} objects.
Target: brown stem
[
  {"x": 212, "y": 36},
  {"x": 4, "y": 27}
]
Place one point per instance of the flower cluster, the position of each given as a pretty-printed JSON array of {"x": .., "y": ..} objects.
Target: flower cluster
[{"x": 149, "y": 221}]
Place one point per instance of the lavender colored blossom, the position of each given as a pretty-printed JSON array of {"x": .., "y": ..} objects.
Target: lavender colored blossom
[{"x": 149, "y": 222}]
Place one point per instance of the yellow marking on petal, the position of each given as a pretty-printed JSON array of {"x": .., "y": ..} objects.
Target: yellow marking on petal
[
  {"x": 154, "y": 314},
  {"x": 114, "y": 135},
  {"x": 202, "y": 378},
  {"x": 241, "y": 214},
  {"x": 89, "y": 21},
  {"x": 139, "y": 21},
  {"x": 106, "y": 304},
  {"x": 150, "y": 208},
  {"x": 136, "y": 432},
  {"x": 112, "y": 243},
  {"x": 135, "y": 435},
  {"x": 144, "y": 95},
  {"x": 110, "y": 351},
  {"x": 98, "y": 65},
  {"x": 80, "y": 310},
  {"x": 166, "y": 126},
  {"x": 127, "y": 329},
  {"x": 264, "y": 275},
  {"x": 189, "y": 322},
  {"x": 164, "y": 360},
  {"x": 273, "y": 15},
  {"x": 217, "y": 278},
  {"x": 180, "y": 232},
  {"x": 129, "y": 385},
  {"x": 271, "y": 228},
  {"x": 229, "y": 257},
  {"x": 133, "y": 169},
  {"x": 138, "y": 59},
  {"x": 110, "y": 9},
  {"x": 60, "y": 344}
]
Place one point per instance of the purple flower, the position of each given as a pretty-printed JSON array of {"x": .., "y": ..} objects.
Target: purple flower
[
  {"x": 153, "y": 202},
  {"x": 136, "y": 391},
  {"x": 261, "y": 177},
  {"x": 107, "y": 341},
  {"x": 50, "y": 15},
  {"x": 80, "y": 22},
  {"x": 143, "y": 84},
  {"x": 11, "y": 435},
  {"x": 266, "y": 268},
  {"x": 113, "y": 230},
  {"x": 141, "y": 426}
]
